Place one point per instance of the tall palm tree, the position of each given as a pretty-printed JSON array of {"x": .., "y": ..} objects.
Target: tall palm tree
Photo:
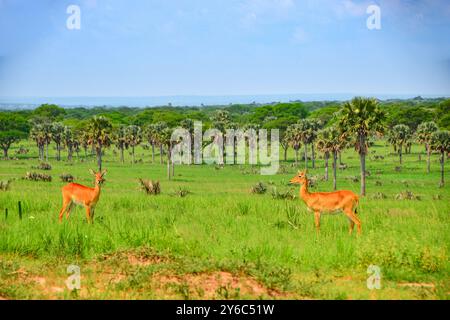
[
  {"x": 292, "y": 135},
  {"x": 423, "y": 135},
  {"x": 305, "y": 132},
  {"x": 41, "y": 133},
  {"x": 119, "y": 138},
  {"x": 362, "y": 118},
  {"x": 133, "y": 137},
  {"x": 160, "y": 127},
  {"x": 330, "y": 141},
  {"x": 68, "y": 140},
  {"x": 57, "y": 134},
  {"x": 440, "y": 142},
  {"x": 315, "y": 126},
  {"x": 400, "y": 135},
  {"x": 151, "y": 135},
  {"x": 164, "y": 139},
  {"x": 99, "y": 131}
]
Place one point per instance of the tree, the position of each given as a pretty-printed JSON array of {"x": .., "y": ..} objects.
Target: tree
[
  {"x": 98, "y": 133},
  {"x": 330, "y": 141},
  {"x": 440, "y": 142},
  {"x": 41, "y": 134},
  {"x": 69, "y": 142},
  {"x": 160, "y": 128},
  {"x": 50, "y": 112},
  {"x": 314, "y": 128},
  {"x": 165, "y": 140},
  {"x": 133, "y": 137},
  {"x": 221, "y": 120},
  {"x": 119, "y": 138},
  {"x": 423, "y": 134},
  {"x": 362, "y": 118},
  {"x": 293, "y": 137},
  {"x": 7, "y": 138},
  {"x": 400, "y": 135},
  {"x": 57, "y": 134},
  {"x": 151, "y": 134},
  {"x": 306, "y": 135}
]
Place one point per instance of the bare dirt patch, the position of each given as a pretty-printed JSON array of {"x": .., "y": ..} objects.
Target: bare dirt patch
[{"x": 213, "y": 285}]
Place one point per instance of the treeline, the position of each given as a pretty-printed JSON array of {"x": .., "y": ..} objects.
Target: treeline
[{"x": 326, "y": 127}]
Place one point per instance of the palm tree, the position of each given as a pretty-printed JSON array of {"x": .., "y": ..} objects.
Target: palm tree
[
  {"x": 133, "y": 137},
  {"x": 69, "y": 141},
  {"x": 440, "y": 142},
  {"x": 119, "y": 138},
  {"x": 151, "y": 134},
  {"x": 423, "y": 134},
  {"x": 160, "y": 127},
  {"x": 164, "y": 138},
  {"x": 293, "y": 137},
  {"x": 330, "y": 141},
  {"x": 400, "y": 135},
  {"x": 188, "y": 124},
  {"x": 57, "y": 134},
  {"x": 99, "y": 136},
  {"x": 315, "y": 126},
  {"x": 306, "y": 135},
  {"x": 41, "y": 134},
  {"x": 361, "y": 117}
]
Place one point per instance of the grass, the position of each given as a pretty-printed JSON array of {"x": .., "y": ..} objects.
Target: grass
[{"x": 220, "y": 226}]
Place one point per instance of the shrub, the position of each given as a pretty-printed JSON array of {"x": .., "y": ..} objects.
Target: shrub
[
  {"x": 181, "y": 192},
  {"x": 286, "y": 194},
  {"x": 150, "y": 186},
  {"x": 406, "y": 195},
  {"x": 378, "y": 196},
  {"x": 259, "y": 188},
  {"x": 43, "y": 166},
  {"x": 35, "y": 176},
  {"x": 67, "y": 177},
  {"x": 22, "y": 150},
  {"x": 4, "y": 185}
]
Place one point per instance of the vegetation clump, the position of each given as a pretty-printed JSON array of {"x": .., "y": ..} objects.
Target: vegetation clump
[
  {"x": 67, "y": 177},
  {"x": 35, "y": 176},
  {"x": 150, "y": 186},
  {"x": 259, "y": 188}
]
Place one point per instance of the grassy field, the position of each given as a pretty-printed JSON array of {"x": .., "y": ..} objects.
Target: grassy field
[{"x": 221, "y": 241}]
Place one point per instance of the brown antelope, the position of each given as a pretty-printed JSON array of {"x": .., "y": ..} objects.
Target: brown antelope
[
  {"x": 328, "y": 202},
  {"x": 77, "y": 194}
]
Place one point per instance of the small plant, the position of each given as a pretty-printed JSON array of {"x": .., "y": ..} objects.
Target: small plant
[
  {"x": 43, "y": 166},
  {"x": 66, "y": 177},
  {"x": 181, "y": 192},
  {"x": 293, "y": 218},
  {"x": 34, "y": 176},
  {"x": 437, "y": 197},
  {"x": 398, "y": 169},
  {"x": 150, "y": 186},
  {"x": 378, "y": 196},
  {"x": 287, "y": 194},
  {"x": 378, "y": 183},
  {"x": 353, "y": 179},
  {"x": 259, "y": 188},
  {"x": 243, "y": 208},
  {"x": 342, "y": 167},
  {"x": 406, "y": 195},
  {"x": 22, "y": 150},
  {"x": 4, "y": 185}
]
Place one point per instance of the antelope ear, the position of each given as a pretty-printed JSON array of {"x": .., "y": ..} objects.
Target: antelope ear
[
  {"x": 91, "y": 171},
  {"x": 104, "y": 172}
]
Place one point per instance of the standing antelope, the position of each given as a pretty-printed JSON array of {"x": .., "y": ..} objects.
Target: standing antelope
[
  {"x": 328, "y": 202},
  {"x": 74, "y": 193}
]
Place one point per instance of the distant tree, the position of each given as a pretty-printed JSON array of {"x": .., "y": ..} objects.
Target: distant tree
[
  {"x": 41, "y": 133},
  {"x": 133, "y": 137},
  {"x": 362, "y": 118},
  {"x": 165, "y": 140},
  {"x": 423, "y": 134},
  {"x": 57, "y": 134},
  {"x": 440, "y": 142},
  {"x": 330, "y": 141},
  {"x": 69, "y": 141},
  {"x": 221, "y": 120},
  {"x": 400, "y": 135},
  {"x": 50, "y": 112},
  {"x": 161, "y": 138},
  {"x": 120, "y": 140},
  {"x": 307, "y": 135},
  {"x": 99, "y": 130},
  {"x": 315, "y": 126},
  {"x": 8, "y": 137},
  {"x": 151, "y": 135},
  {"x": 293, "y": 137}
]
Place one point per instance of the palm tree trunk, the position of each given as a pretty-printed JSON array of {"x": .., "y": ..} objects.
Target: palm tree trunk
[
  {"x": 327, "y": 155},
  {"x": 285, "y": 154},
  {"x": 161, "y": 154},
  {"x": 442, "y": 168},
  {"x": 46, "y": 153},
  {"x": 122, "y": 158},
  {"x": 153, "y": 152},
  {"x": 334, "y": 169},
  {"x": 296, "y": 156},
  {"x": 132, "y": 154},
  {"x": 5, "y": 153},
  {"x": 400, "y": 153},
  {"x": 428, "y": 158},
  {"x": 313, "y": 156},
  {"x": 362, "y": 153},
  {"x": 306, "y": 156},
  {"x": 58, "y": 148},
  {"x": 99, "y": 158}
]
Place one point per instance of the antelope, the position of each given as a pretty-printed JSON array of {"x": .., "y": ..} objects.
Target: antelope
[
  {"x": 77, "y": 194},
  {"x": 328, "y": 202}
]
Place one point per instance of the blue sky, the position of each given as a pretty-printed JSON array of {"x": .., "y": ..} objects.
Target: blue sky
[{"x": 227, "y": 47}]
